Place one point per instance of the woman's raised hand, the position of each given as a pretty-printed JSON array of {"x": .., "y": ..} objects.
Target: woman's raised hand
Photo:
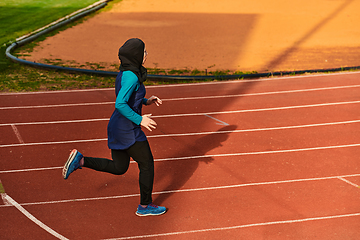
[
  {"x": 154, "y": 99},
  {"x": 147, "y": 122}
]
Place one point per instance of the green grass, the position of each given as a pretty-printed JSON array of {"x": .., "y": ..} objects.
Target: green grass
[{"x": 19, "y": 17}]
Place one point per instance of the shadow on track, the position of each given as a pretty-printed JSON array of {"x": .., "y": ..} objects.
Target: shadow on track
[{"x": 180, "y": 171}]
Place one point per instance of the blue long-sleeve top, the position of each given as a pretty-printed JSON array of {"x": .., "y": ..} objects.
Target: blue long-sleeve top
[
  {"x": 128, "y": 86},
  {"x": 124, "y": 125}
]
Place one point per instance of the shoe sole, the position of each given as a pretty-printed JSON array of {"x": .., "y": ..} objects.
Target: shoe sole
[
  {"x": 150, "y": 214},
  {"x": 68, "y": 162}
]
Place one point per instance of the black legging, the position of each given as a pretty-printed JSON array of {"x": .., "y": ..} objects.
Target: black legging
[{"x": 141, "y": 153}]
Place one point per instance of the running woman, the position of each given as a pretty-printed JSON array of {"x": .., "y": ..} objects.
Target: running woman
[{"x": 125, "y": 136}]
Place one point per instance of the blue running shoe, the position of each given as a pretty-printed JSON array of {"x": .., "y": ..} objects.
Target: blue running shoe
[
  {"x": 72, "y": 164},
  {"x": 150, "y": 209}
]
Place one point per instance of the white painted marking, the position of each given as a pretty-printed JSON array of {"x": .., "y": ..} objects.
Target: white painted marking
[
  {"x": 186, "y": 98},
  {"x": 217, "y": 155},
  {"x": 190, "y": 190},
  {"x": 208, "y": 133},
  {"x": 58, "y": 105},
  {"x": 30, "y": 170},
  {"x": 197, "y": 114},
  {"x": 32, "y": 218},
  {"x": 259, "y": 109},
  {"x": 256, "y": 129},
  {"x": 17, "y": 133},
  {"x": 347, "y": 181},
  {"x": 239, "y": 226},
  {"x": 262, "y": 153},
  {"x": 231, "y": 131},
  {"x": 219, "y": 122},
  {"x": 50, "y": 143},
  {"x": 191, "y": 157},
  {"x": 57, "y": 92},
  {"x": 186, "y": 158},
  {"x": 263, "y": 93},
  {"x": 194, "y": 84},
  {"x": 82, "y": 199},
  {"x": 253, "y": 129},
  {"x": 57, "y": 122}
]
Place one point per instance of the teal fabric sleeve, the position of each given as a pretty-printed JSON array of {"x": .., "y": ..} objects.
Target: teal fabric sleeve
[
  {"x": 129, "y": 84},
  {"x": 144, "y": 101}
]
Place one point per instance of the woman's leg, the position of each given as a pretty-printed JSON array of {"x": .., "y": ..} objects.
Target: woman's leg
[
  {"x": 141, "y": 153},
  {"x": 118, "y": 166}
]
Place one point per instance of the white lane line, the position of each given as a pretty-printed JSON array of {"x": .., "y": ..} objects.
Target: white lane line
[
  {"x": 259, "y": 109},
  {"x": 261, "y": 153},
  {"x": 197, "y": 114},
  {"x": 214, "y": 155},
  {"x": 57, "y": 122},
  {"x": 58, "y": 105},
  {"x": 50, "y": 143},
  {"x": 56, "y": 92},
  {"x": 263, "y": 93},
  {"x": 193, "y": 84},
  {"x": 193, "y": 134},
  {"x": 190, "y": 190},
  {"x": 32, "y": 218},
  {"x": 29, "y": 170},
  {"x": 17, "y": 133},
  {"x": 239, "y": 226},
  {"x": 188, "y": 98},
  {"x": 256, "y": 129},
  {"x": 347, "y": 181},
  {"x": 219, "y": 122}
]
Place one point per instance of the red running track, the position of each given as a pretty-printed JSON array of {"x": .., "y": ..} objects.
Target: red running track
[{"x": 261, "y": 159}]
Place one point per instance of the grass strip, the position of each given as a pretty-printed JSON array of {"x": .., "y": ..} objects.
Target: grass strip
[{"x": 20, "y": 17}]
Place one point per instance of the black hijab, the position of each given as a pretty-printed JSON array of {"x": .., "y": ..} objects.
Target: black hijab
[{"x": 131, "y": 55}]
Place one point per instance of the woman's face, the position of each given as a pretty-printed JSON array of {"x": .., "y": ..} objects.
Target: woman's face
[{"x": 145, "y": 55}]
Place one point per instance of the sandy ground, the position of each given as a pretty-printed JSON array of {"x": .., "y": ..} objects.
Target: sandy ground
[{"x": 236, "y": 35}]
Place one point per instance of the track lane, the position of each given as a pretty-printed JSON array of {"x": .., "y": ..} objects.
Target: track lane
[
  {"x": 251, "y": 120},
  {"x": 181, "y": 90},
  {"x": 223, "y": 102},
  {"x": 14, "y": 116},
  {"x": 255, "y": 205},
  {"x": 198, "y": 170},
  {"x": 184, "y": 174},
  {"x": 247, "y": 140}
]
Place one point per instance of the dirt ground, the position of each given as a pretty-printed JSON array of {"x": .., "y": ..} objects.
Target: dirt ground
[{"x": 236, "y": 35}]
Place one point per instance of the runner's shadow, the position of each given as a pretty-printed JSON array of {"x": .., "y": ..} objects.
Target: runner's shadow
[{"x": 180, "y": 171}]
